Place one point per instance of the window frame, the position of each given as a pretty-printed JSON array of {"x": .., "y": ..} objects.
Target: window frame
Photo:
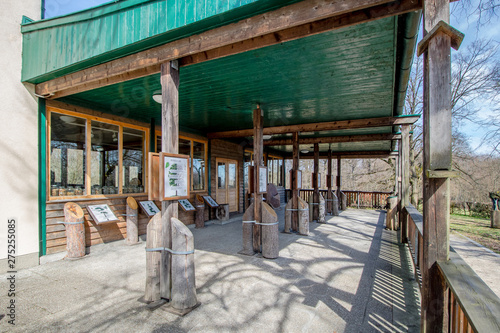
[{"x": 88, "y": 148}]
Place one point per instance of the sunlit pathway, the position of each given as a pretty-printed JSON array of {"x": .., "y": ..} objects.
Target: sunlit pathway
[{"x": 349, "y": 275}]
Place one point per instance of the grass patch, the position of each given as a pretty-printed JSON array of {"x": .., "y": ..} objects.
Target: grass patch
[{"x": 477, "y": 229}]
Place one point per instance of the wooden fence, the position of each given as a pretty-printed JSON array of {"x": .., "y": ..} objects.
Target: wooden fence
[
  {"x": 472, "y": 305},
  {"x": 358, "y": 199}
]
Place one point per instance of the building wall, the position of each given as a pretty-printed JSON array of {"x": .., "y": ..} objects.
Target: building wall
[{"x": 18, "y": 140}]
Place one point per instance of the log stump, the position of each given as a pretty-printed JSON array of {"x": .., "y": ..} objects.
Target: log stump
[
  {"x": 270, "y": 241},
  {"x": 322, "y": 210},
  {"x": 153, "y": 259},
  {"x": 183, "y": 277},
  {"x": 75, "y": 230},
  {"x": 132, "y": 222},
  {"x": 335, "y": 204},
  {"x": 495, "y": 219},
  {"x": 343, "y": 201},
  {"x": 303, "y": 217},
  {"x": 390, "y": 218},
  {"x": 200, "y": 212},
  {"x": 288, "y": 216},
  {"x": 248, "y": 231}
]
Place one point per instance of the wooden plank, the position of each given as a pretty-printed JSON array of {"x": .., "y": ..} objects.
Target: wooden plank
[
  {"x": 304, "y": 30},
  {"x": 324, "y": 126},
  {"x": 258, "y": 124},
  {"x": 479, "y": 303},
  {"x": 335, "y": 139},
  {"x": 295, "y": 185},
  {"x": 146, "y": 62}
]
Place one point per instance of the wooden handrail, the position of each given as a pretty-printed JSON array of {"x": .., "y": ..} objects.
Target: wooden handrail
[
  {"x": 370, "y": 199},
  {"x": 472, "y": 305}
]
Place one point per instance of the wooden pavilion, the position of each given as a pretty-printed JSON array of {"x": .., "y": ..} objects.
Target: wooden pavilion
[{"x": 228, "y": 74}]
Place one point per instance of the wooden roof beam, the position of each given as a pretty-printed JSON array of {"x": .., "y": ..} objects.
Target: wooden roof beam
[
  {"x": 335, "y": 139},
  {"x": 272, "y": 25},
  {"x": 317, "y": 127}
]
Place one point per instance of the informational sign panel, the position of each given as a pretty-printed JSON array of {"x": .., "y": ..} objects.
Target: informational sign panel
[
  {"x": 102, "y": 213},
  {"x": 299, "y": 179},
  {"x": 211, "y": 202},
  {"x": 149, "y": 207},
  {"x": 319, "y": 180},
  {"x": 262, "y": 179},
  {"x": 186, "y": 205},
  {"x": 174, "y": 176},
  {"x": 154, "y": 176}
]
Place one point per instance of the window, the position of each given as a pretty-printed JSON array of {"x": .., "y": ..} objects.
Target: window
[
  {"x": 274, "y": 166},
  {"x": 197, "y": 150},
  {"x": 95, "y": 157}
]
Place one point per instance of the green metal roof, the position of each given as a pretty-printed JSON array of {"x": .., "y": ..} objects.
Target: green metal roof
[{"x": 61, "y": 45}]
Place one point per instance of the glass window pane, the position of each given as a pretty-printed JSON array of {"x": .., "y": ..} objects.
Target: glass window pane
[
  {"x": 232, "y": 175},
  {"x": 185, "y": 147},
  {"x": 104, "y": 158},
  {"x": 221, "y": 175},
  {"x": 67, "y": 156},
  {"x": 198, "y": 170},
  {"x": 270, "y": 169},
  {"x": 133, "y": 160},
  {"x": 158, "y": 143}
]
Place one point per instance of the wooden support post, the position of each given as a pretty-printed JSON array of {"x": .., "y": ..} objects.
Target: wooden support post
[
  {"x": 258, "y": 146},
  {"x": 75, "y": 230},
  {"x": 295, "y": 190},
  {"x": 169, "y": 144},
  {"x": 153, "y": 259},
  {"x": 329, "y": 196},
  {"x": 437, "y": 156},
  {"x": 132, "y": 221},
  {"x": 405, "y": 182},
  {"x": 339, "y": 179},
  {"x": 315, "y": 183}
]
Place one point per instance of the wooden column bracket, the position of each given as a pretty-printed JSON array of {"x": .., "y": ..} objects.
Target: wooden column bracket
[
  {"x": 442, "y": 174},
  {"x": 442, "y": 27}
]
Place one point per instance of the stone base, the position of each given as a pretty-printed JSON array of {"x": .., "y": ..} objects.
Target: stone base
[{"x": 495, "y": 219}]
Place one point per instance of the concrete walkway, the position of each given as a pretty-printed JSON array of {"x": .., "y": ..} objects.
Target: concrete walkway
[{"x": 349, "y": 275}]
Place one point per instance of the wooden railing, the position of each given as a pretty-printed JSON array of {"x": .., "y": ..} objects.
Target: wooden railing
[
  {"x": 472, "y": 305},
  {"x": 358, "y": 199}
]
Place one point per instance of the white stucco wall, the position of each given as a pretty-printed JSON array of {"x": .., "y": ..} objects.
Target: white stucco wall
[{"x": 18, "y": 139}]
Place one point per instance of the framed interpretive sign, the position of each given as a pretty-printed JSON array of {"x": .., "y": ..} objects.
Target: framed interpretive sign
[
  {"x": 186, "y": 205},
  {"x": 262, "y": 179},
  {"x": 299, "y": 179},
  {"x": 174, "y": 176},
  {"x": 211, "y": 202},
  {"x": 154, "y": 176},
  {"x": 102, "y": 213},
  {"x": 149, "y": 207}
]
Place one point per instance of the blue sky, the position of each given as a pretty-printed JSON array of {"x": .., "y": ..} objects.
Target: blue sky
[{"x": 464, "y": 22}]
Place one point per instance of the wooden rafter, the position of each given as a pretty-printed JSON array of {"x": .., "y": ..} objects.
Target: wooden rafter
[
  {"x": 287, "y": 23},
  {"x": 325, "y": 126},
  {"x": 335, "y": 139}
]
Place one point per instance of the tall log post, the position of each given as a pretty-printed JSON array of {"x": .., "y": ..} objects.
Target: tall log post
[
  {"x": 339, "y": 179},
  {"x": 258, "y": 144},
  {"x": 315, "y": 183},
  {"x": 295, "y": 185},
  {"x": 132, "y": 221},
  {"x": 437, "y": 156},
  {"x": 153, "y": 259},
  {"x": 405, "y": 182},
  {"x": 75, "y": 230},
  {"x": 169, "y": 144},
  {"x": 329, "y": 196}
]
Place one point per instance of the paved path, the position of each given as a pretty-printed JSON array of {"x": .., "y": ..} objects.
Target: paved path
[
  {"x": 482, "y": 260},
  {"x": 349, "y": 275}
]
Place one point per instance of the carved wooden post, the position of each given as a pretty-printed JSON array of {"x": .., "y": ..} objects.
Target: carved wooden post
[
  {"x": 248, "y": 222},
  {"x": 329, "y": 195},
  {"x": 75, "y": 230},
  {"x": 132, "y": 222},
  {"x": 438, "y": 37},
  {"x": 303, "y": 217},
  {"x": 183, "y": 277},
  {"x": 270, "y": 241},
  {"x": 405, "y": 184},
  {"x": 153, "y": 259},
  {"x": 339, "y": 180},
  {"x": 200, "y": 212},
  {"x": 258, "y": 146},
  {"x": 295, "y": 190}
]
